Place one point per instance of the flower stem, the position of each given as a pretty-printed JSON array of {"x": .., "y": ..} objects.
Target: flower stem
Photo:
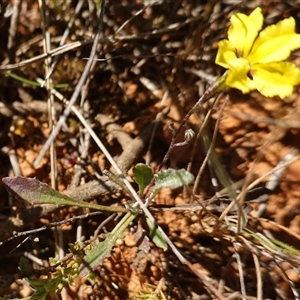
[{"x": 215, "y": 88}]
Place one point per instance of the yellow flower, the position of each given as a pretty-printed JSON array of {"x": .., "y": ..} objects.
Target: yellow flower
[{"x": 256, "y": 60}]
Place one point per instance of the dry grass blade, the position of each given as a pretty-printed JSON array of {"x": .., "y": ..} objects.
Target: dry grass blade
[
  {"x": 52, "y": 53},
  {"x": 77, "y": 90}
]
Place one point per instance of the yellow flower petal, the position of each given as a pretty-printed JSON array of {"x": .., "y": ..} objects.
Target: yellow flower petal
[
  {"x": 225, "y": 50},
  {"x": 226, "y": 57},
  {"x": 244, "y": 30},
  {"x": 240, "y": 81},
  {"x": 276, "y": 79},
  {"x": 275, "y": 43}
]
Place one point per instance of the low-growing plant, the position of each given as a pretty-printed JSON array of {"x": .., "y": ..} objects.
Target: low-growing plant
[{"x": 255, "y": 59}]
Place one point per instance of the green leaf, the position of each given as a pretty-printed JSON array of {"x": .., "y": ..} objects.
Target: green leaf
[
  {"x": 142, "y": 175},
  {"x": 156, "y": 236},
  {"x": 34, "y": 83},
  {"x": 102, "y": 250},
  {"x": 98, "y": 253},
  {"x": 37, "y": 192},
  {"x": 24, "y": 265},
  {"x": 22, "y": 79},
  {"x": 172, "y": 179}
]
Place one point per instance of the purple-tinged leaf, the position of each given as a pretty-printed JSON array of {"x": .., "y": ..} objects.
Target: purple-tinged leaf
[
  {"x": 36, "y": 192},
  {"x": 141, "y": 239}
]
